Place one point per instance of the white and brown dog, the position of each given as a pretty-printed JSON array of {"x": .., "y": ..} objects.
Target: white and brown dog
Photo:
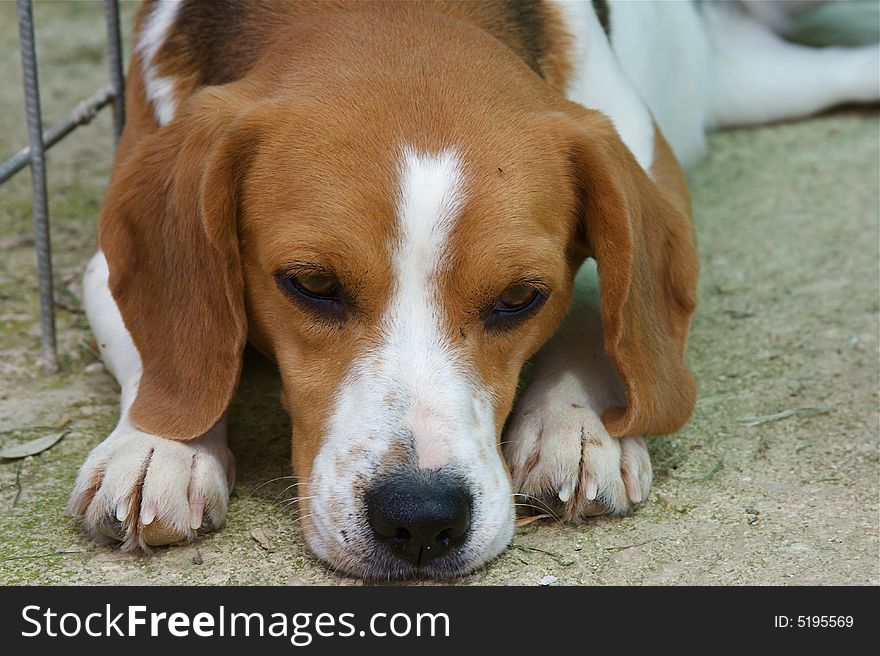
[{"x": 396, "y": 201}]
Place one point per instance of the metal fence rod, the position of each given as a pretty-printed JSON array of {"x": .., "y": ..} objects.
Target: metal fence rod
[
  {"x": 38, "y": 183},
  {"x": 114, "y": 58},
  {"x": 82, "y": 114}
]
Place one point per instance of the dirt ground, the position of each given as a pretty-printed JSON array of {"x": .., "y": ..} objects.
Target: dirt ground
[{"x": 774, "y": 480}]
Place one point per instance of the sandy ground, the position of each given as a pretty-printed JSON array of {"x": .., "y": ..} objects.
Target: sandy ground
[{"x": 774, "y": 480}]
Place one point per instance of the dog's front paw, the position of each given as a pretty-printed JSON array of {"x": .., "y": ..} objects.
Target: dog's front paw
[
  {"x": 145, "y": 491},
  {"x": 559, "y": 453}
]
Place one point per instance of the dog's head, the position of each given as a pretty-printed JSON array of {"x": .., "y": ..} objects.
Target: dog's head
[{"x": 401, "y": 247}]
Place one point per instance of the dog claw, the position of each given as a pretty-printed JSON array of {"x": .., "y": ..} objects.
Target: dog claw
[
  {"x": 633, "y": 487},
  {"x": 196, "y": 511},
  {"x": 148, "y": 514},
  {"x": 121, "y": 510},
  {"x": 591, "y": 487},
  {"x": 565, "y": 492}
]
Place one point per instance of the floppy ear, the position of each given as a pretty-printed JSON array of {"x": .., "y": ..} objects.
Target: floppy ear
[
  {"x": 639, "y": 231},
  {"x": 169, "y": 232}
]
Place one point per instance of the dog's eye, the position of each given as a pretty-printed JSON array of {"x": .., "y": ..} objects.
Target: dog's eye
[
  {"x": 516, "y": 298},
  {"x": 315, "y": 284},
  {"x": 515, "y": 304},
  {"x": 316, "y": 290}
]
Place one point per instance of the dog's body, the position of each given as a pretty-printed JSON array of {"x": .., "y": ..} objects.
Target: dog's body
[{"x": 394, "y": 202}]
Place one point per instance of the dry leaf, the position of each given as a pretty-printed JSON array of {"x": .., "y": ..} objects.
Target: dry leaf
[
  {"x": 259, "y": 535},
  {"x": 525, "y": 521},
  {"x": 31, "y": 448}
]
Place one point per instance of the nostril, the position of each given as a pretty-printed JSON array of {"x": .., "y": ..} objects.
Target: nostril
[
  {"x": 445, "y": 538},
  {"x": 402, "y": 535},
  {"x": 384, "y": 527},
  {"x": 458, "y": 523}
]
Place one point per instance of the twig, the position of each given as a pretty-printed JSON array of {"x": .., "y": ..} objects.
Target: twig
[
  {"x": 739, "y": 314},
  {"x": 85, "y": 346},
  {"x": 785, "y": 414},
  {"x": 18, "y": 482},
  {"x": 714, "y": 470},
  {"x": 46, "y": 555},
  {"x": 630, "y": 546},
  {"x": 67, "y": 300},
  {"x": 555, "y": 556}
]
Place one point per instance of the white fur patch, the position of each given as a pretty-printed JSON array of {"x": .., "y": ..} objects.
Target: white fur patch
[
  {"x": 430, "y": 201},
  {"x": 759, "y": 77},
  {"x": 114, "y": 341},
  {"x": 160, "y": 90},
  {"x": 598, "y": 81},
  {"x": 413, "y": 392},
  {"x": 664, "y": 53}
]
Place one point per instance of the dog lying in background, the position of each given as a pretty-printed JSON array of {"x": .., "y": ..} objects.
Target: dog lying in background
[{"x": 401, "y": 204}]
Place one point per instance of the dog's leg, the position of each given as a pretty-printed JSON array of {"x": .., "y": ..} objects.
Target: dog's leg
[
  {"x": 758, "y": 77},
  {"x": 556, "y": 446},
  {"x": 140, "y": 489}
]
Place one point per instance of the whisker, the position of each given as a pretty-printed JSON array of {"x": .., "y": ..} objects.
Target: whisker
[
  {"x": 261, "y": 485},
  {"x": 292, "y": 485},
  {"x": 301, "y": 518},
  {"x": 530, "y": 505},
  {"x": 289, "y": 502},
  {"x": 543, "y": 507},
  {"x": 527, "y": 496}
]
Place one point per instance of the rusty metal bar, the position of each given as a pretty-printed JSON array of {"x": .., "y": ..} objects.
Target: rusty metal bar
[
  {"x": 43, "y": 247},
  {"x": 39, "y": 142},
  {"x": 114, "y": 59},
  {"x": 82, "y": 114}
]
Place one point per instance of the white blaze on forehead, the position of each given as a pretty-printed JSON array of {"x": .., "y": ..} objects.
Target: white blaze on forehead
[
  {"x": 160, "y": 90},
  {"x": 431, "y": 199}
]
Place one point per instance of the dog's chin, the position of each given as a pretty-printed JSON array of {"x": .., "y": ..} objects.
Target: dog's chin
[
  {"x": 370, "y": 560},
  {"x": 384, "y": 567}
]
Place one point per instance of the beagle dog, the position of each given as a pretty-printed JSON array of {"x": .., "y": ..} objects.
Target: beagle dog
[{"x": 403, "y": 203}]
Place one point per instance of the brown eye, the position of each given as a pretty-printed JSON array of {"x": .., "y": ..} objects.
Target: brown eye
[
  {"x": 516, "y": 297},
  {"x": 317, "y": 284},
  {"x": 516, "y": 304},
  {"x": 317, "y": 291}
]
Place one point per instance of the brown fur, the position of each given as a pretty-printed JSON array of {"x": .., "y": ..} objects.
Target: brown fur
[
  {"x": 640, "y": 232},
  {"x": 295, "y": 159},
  {"x": 168, "y": 230}
]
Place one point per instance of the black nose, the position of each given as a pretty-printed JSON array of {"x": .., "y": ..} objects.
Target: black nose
[{"x": 419, "y": 514}]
